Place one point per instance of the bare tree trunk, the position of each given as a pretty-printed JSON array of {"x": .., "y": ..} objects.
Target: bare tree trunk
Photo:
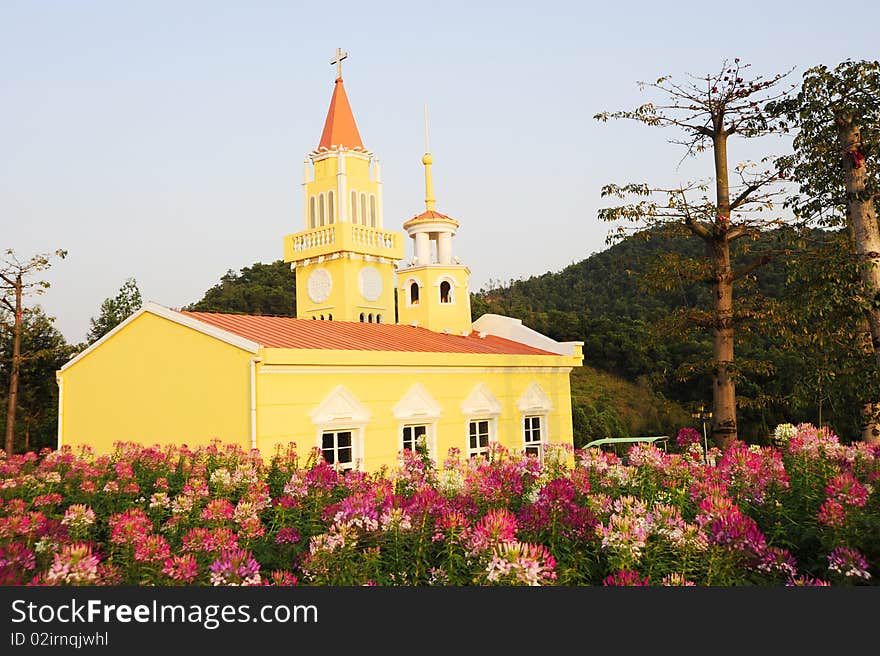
[
  {"x": 12, "y": 400},
  {"x": 724, "y": 430},
  {"x": 863, "y": 219}
]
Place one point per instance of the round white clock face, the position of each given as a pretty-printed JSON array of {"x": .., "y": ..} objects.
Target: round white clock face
[
  {"x": 370, "y": 283},
  {"x": 319, "y": 285}
]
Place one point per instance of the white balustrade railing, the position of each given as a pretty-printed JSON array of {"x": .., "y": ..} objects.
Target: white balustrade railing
[{"x": 314, "y": 239}]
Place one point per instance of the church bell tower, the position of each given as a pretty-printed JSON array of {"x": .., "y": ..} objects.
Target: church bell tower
[{"x": 344, "y": 259}]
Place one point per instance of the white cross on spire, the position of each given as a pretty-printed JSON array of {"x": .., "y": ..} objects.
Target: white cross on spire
[{"x": 338, "y": 61}]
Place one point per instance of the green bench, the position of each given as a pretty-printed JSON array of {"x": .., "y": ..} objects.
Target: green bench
[{"x": 650, "y": 439}]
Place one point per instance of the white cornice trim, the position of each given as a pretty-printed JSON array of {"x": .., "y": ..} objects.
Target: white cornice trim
[
  {"x": 340, "y": 407},
  {"x": 481, "y": 402},
  {"x": 534, "y": 400},
  {"x": 417, "y": 403},
  {"x": 178, "y": 318}
]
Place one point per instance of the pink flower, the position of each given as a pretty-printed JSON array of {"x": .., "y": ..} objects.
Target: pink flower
[
  {"x": 218, "y": 510},
  {"x": 130, "y": 526},
  {"x": 181, "y": 568},
  {"x": 47, "y": 499},
  {"x": 151, "y": 548},
  {"x": 518, "y": 563},
  {"x": 496, "y": 526},
  {"x": 280, "y": 577},
  {"x": 75, "y": 565}
]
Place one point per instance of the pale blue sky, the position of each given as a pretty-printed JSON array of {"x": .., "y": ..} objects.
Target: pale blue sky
[{"x": 164, "y": 140}]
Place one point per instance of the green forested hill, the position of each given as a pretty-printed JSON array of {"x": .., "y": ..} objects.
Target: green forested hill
[
  {"x": 627, "y": 325},
  {"x": 640, "y": 374}
]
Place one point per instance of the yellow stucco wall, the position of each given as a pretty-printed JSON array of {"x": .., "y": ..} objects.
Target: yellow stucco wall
[
  {"x": 430, "y": 313},
  {"x": 288, "y": 394},
  {"x": 345, "y": 301},
  {"x": 157, "y": 382}
]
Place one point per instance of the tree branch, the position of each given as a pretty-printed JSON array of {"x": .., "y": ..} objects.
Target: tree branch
[{"x": 757, "y": 263}]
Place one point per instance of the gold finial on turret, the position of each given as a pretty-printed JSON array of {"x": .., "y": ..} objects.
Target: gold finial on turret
[{"x": 427, "y": 160}]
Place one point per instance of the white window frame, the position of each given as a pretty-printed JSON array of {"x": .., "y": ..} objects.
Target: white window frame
[
  {"x": 341, "y": 411},
  {"x": 491, "y": 436},
  {"x": 534, "y": 403},
  {"x": 542, "y": 432},
  {"x": 356, "y": 461},
  {"x": 418, "y": 408},
  {"x": 452, "y": 287},
  {"x": 480, "y": 405},
  {"x": 412, "y": 426},
  {"x": 407, "y": 287}
]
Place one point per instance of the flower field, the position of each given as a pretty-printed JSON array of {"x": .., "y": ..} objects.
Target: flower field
[{"x": 802, "y": 512}]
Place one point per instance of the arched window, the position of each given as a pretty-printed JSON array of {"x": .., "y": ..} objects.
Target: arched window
[
  {"x": 378, "y": 318},
  {"x": 363, "y": 317},
  {"x": 364, "y": 209},
  {"x": 312, "y": 216},
  {"x": 445, "y": 292},
  {"x": 354, "y": 207},
  {"x": 322, "y": 317},
  {"x": 373, "y": 210},
  {"x": 370, "y": 318},
  {"x": 330, "y": 208},
  {"x": 320, "y": 209},
  {"x": 414, "y": 293},
  {"x": 329, "y": 317}
]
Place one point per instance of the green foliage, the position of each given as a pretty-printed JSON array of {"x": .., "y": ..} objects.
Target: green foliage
[
  {"x": 45, "y": 349},
  {"x": 849, "y": 92},
  {"x": 115, "y": 310},
  {"x": 257, "y": 289}
]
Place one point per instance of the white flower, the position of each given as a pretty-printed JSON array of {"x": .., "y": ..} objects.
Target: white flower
[{"x": 783, "y": 433}]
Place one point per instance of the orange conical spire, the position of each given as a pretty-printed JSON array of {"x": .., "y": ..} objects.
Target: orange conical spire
[{"x": 340, "y": 128}]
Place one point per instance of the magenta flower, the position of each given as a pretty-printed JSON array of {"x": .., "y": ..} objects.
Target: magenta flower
[
  {"x": 848, "y": 563},
  {"x": 235, "y": 567},
  {"x": 287, "y": 535},
  {"x": 847, "y": 489},
  {"x": 626, "y": 577},
  {"x": 687, "y": 436}
]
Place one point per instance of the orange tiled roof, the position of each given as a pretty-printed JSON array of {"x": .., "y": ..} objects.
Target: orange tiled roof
[
  {"x": 340, "y": 128},
  {"x": 429, "y": 216},
  {"x": 286, "y": 332}
]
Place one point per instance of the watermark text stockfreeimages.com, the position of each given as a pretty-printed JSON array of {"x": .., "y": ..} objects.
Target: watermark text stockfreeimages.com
[{"x": 209, "y": 616}]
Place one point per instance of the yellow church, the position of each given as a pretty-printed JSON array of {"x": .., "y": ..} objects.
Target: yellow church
[{"x": 382, "y": 352}]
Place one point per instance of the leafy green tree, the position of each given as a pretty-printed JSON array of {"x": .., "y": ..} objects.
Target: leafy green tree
[
  {"x": 257, "y": 289},
  {"x": 16, "y": 282},
  {"x": 837, "y": 168},
  {"x": 708, "y": 111},
  {"x": 115, "y": 310},
  {"x": 45, "y": 349}
]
